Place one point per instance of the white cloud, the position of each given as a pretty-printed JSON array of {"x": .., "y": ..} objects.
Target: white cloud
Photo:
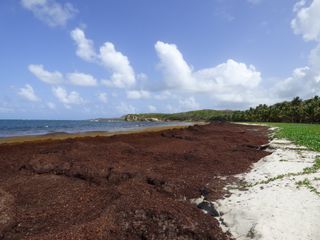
[
  {"x": 85, "y": 47},
  {"x": 81, "y": 79},
  {"x": 56, "y": 77},
  {"x": 305, "y": 81},
  {"x": 300, "y": 4},
  {"x": 172, "y": 109},
  {"x": 177, "y": 72},
  {"x": 142, "y": 77},
  {"x": 138, "y": 94},
  {"x": 314, "y": 58},
  {"x": 67, "y": 98},
  {"x": 229, "y": 75},
  {"x": 51, "y": 105},
  {"x": 122, "y": 73},
  {"x": 44, "y": 75},
  {"x": 50, "y": 11},
  {"x": 124, "y": 108},
  {"x": 152, "y": 108},
  {"x": 163, "y": 95},
  {"x": 103, "y": 97},
  {"x": 306, "y": 22},
  {"x": 189, "y": 104},
  {"x": 226, "y": 77},
  {"x": 28, "y": 93}
]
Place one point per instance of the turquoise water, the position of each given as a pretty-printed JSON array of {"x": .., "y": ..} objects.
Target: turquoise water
[{"x": 10, "y": 128}]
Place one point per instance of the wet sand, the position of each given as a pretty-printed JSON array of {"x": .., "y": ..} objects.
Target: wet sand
[{"x": 128, "y": 186}]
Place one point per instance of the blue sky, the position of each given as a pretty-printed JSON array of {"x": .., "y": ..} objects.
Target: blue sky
[{"x": 65, "y": 59}]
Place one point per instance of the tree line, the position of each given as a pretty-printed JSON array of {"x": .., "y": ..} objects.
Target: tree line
[{"x": 295, "y": 111}]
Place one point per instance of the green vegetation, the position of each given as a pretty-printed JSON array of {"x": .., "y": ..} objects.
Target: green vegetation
[
  {"x": 306, "y": 183},
  {"x": 295, "y": 111},
  {"x": 200, "y": 115},
  {"x": 315, "y": 167},
  {"x": 307, "y": 135},
  {"x": 309, "y": 170}
]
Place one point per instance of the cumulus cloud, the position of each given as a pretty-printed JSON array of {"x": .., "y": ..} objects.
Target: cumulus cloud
[
  {"x": 229, "y": 75},
  {"x": 85, "y": 47},
  {"x": 226, "y": 77},
  {"x": 163, "y": 95},
  {"x": 314, "y": 58},
  {"x": 176, "y": 71},
  {"x": 103, "y": 97},
  {"x": 295, "y": 84},
  {"x": 122, "y": 73},
  {"x": 56, "y": 77},
  {"x": 306, "y": 22},
  {"x": 81, "y": 79},
  {"x": 138, "y": 94},
  {"x": 50, "y": 11},
  {"x": 67, "y": 98},
  {"x": 51, "y": 105},
  {"x": 152, "y": 108},
  {"x": 28, "y": 93},
  {"x": 305, "y": 81},
  {"x": 238, "y": 83},
  {"x": 189, "y": 104},
  {"x": 125, "y": 108},
  {"x": 44, "y": 75}
]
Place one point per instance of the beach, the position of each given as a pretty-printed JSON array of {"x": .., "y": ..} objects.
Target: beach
[
  {"x": 65, "y": 135},
  {"x": 140, "y": 185}
]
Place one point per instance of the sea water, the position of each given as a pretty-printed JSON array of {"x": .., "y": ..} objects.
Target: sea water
[{"x": 10, "y": 128}]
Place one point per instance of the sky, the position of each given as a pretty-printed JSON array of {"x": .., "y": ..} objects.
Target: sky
[{"x": 67, "y": 59}]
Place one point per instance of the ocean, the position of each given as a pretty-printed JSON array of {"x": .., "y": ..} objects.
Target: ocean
[{"x": 11, "y": 128}]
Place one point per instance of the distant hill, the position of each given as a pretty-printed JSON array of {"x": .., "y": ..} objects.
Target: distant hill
[
  {"x": 199, "y": 115},
  {"x": 295, "y": 111},
  {"x": 106, "y": 120}
]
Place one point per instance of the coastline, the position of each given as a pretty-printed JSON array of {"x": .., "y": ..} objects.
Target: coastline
[
  {"x": 279, "y": 190},
  {"x": 124, "y": 186},
  {"x": 64, "y": 135}
]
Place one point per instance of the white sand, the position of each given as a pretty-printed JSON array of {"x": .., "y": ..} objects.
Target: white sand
[{"x": 279, "y": 209}]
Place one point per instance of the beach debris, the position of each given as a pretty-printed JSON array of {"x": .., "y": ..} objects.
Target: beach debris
[
  {"x": 208, "y": 208},
  {"x": 134, "y": 186}
]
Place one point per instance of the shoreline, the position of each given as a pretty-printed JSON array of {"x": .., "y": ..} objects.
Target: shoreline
[
  {"x": 272, "y": 198},
  {"x": 124, "y": 185},
  {"x": 65, "y": 135}
]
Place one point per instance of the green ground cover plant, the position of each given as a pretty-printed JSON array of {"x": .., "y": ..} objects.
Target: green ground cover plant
[{"x": 307, "y": 135}]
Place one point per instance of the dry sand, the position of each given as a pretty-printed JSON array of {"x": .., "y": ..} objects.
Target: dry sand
[{"x": 275, "y": 207}]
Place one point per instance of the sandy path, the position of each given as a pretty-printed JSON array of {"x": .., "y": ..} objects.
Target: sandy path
[{"x": 281, "y": 200}]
